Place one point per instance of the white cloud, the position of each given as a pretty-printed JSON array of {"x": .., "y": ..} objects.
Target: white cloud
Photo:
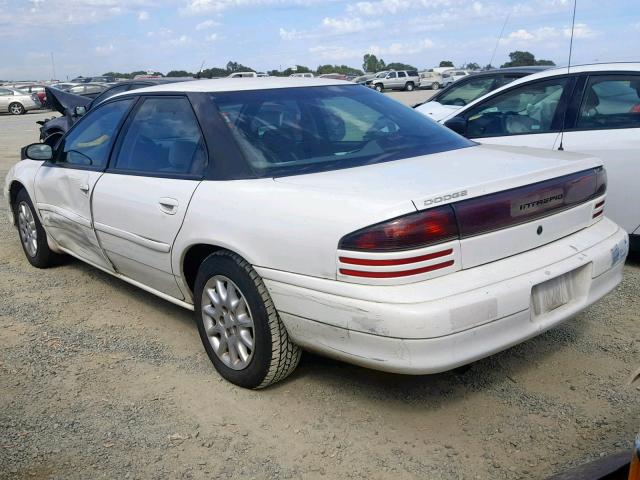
[
  {"x": 204, "y": 6},
  {"x": 334, "y": 53},
  {"x": 399, "y": 48},
  {"x": 212, "y": 38},
  {"x": 290, "y": 34},
  {"x": 581, "y": 30},
  {"x": 104, "y": 49},
  {"x": 143, "y": 15},
  {"x": 547, "y": 34},
  {"x": 207, "y": 24},
  {"x": 348, "y": 25}
]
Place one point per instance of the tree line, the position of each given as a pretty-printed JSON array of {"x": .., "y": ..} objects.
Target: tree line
[{"x": 370, "y": 64}]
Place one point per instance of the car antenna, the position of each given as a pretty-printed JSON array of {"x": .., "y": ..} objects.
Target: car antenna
[
  {"x": 499, "y": 38},
  {"x": 573, "y": 24}
]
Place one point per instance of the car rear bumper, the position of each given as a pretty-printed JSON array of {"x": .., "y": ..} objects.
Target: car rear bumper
[{"x": 442, "y": 323}]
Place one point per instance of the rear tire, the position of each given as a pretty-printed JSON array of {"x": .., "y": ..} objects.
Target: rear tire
[
  {"x": 238, "y": 324},
  {"x": 33, "y": 238},
  {"x": 409, "y": 87},
  {"x": 16, "y": 109},
  {"x": 435, "y": 86}
]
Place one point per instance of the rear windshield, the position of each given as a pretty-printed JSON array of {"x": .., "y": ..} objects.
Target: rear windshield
[{"x": 291, "y": 131}]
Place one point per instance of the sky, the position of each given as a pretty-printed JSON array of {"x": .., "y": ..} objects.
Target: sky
[{"x": 91, "y": 37}]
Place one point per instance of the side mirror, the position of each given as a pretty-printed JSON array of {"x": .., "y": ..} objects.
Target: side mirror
[
  {"x": 38, "y": 151},
  {"x": 457, "y": 124},
  {"x": 79, "y": 111}
]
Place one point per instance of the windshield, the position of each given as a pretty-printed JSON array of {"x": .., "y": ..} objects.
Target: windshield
[
  {"x": 292, "y": 131},
  {"x": 461, "y": 94}
]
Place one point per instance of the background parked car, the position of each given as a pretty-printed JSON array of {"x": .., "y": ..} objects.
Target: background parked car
[
  {"x": 103, "y": 79},
  {"x": 65, "y": 103},
  {"x": 469, "y": 88},
  {"x": 396, "y": 80},
  {"x": 432, "y": 80},
  {"x": 334, "y": 76},
  {"x": 597, "y": 108},
  {"x": 302, "y": 75},
  {"x": 243, "y": 75},
  {"x": 81, "y": 79},
  {"x": 452, "y": 76},
  {"x": 91, "y": 90},
  {"x": 18, "y": 102},
  {"x": 362, "y": 79}
]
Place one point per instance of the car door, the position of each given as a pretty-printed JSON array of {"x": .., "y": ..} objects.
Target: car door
[
  {"x": 141, "y": 200},
  {"x": 63, "y": 187},
  {"x": 529, "y": 114},
  {"x": 5, "y": 99},
  {"x": 606, "y": 123},
  {"x": 402, "y": 80},
  {"x": 391, "y": 81}
]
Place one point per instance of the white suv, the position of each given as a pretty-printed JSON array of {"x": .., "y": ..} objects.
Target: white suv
[{"x": 396, "y": 80}]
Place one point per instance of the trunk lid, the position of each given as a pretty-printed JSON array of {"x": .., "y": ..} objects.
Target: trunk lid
[{"x": 457, "y": 176}]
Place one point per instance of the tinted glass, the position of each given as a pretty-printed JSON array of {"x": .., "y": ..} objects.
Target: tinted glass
[
  {"x": 88, "y": 144},
  {"x": 5, "y": 92},
  {"x": 300, "y": 130},
  {"x": 466, "y": 91},
  {"x": 529, "y": 108},
  {"x": 392, "y": 75},
  {"x": 402, "y": 74},
  {"x": 611, "y": 102},
  {"x": 110, "y": 93},
  {"x": 163, "y": 138}
]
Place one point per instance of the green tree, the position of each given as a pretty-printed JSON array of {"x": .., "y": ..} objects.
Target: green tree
[
  {"x": 214, "y": 72},
  {"x": 520, "y": 59},
  {"x": 488, "y": 67},
  {"x": 446, "y": 63},
  {"x": 400, "y": 66},
  {"x": 550, "y": 63},
  {"x": 238, "y": 67},
  {"x": 472, "y": 66},
  {"x": 370, "y": 63},
  {"x": 342, "y": 69},
  {"x": 179, "y": 73},
  {"x": 299, "y": 69}
]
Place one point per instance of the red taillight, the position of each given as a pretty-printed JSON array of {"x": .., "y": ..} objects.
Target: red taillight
[{"x": 411, "y": 231}]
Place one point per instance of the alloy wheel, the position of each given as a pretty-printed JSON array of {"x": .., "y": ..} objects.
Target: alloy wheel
[
  {"x": 16, "y": 109},
  {"x": 228, "y": 322},
  {"x": 28, "y": 231}
]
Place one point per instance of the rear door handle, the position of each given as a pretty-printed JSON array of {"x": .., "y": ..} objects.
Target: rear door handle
[
  {"x": 168, "y": 205},
  {"x": 84, "y": 187}
]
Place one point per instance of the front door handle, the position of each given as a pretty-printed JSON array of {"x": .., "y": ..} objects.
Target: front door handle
[
  {"x": 84, "y": 187},
  {"x": 168, "y": 205}
]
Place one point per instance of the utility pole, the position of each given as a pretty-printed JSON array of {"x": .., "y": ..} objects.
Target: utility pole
[{"x": 53, "y": 67}]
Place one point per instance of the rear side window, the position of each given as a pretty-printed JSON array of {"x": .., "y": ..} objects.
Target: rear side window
[
  {"x": 89, "y": 143},
  {"x": 163, "y": 138},
  {"x": 610, "y": 102},
  {"x": 402, "y": 74}
]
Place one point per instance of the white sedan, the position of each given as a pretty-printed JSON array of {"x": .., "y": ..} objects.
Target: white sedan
[
  {"x": 591, "y": 109},
  {"x": 319, "y": 214}
]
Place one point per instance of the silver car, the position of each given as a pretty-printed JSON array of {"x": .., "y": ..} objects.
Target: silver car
[
  {"x": 17, "y": 102},
  {"x": 396, "y": 80}
]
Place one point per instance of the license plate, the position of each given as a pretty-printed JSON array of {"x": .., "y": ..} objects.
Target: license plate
[{"x": 552, "y": 294}]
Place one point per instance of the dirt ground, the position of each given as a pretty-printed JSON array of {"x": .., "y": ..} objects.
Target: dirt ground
[{"x": 101, "y": 380}]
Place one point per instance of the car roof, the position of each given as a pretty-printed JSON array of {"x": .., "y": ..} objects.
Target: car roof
[
  {"x": 526, "y": 70},
  {"x": 240, "y": 84}
]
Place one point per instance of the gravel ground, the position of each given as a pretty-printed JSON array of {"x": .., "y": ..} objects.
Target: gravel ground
[{"x": 101, "y": 380}]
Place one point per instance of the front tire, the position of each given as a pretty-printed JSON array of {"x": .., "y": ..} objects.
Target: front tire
[
  {"x": 33, "y": 238},
  {"x": 238, "y": 324},
  {"x": 17, "y": 109},
  {"x": 379, "y": 87}
]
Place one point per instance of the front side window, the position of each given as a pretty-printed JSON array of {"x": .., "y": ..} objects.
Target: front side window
[
  {"x": 463, "y": 93},
  {"x": 610, "y": 102},
  {"x": 89, "y": 143},
  {"x": 163, "y": 138},
  {"x": 526, "y": 109},
  {"x": 392, "y": 75},
  {"x": 292, "y": 131}
]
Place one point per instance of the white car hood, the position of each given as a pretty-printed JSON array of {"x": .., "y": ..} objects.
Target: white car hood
[
  {"x": 478, "y": 170},
  {"x": 436, "y": 111}
]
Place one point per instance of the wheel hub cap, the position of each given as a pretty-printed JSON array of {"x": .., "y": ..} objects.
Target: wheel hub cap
[
  {"x": 28, "y": 231},
  {"x": 228, "y": 322}
]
